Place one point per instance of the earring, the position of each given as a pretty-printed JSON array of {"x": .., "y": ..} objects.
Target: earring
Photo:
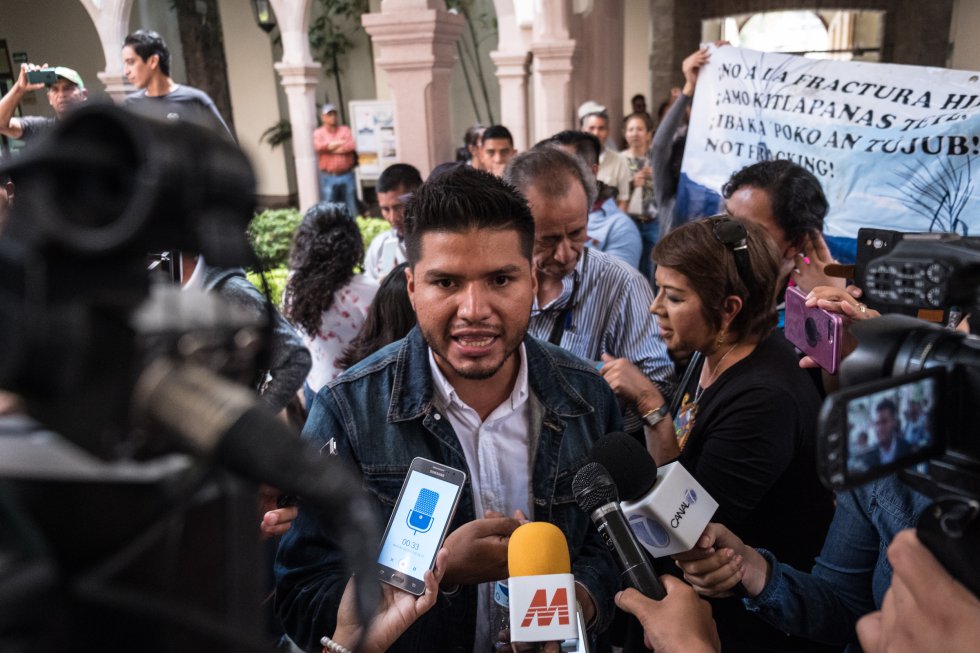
[{"x": 720, "y": 340}]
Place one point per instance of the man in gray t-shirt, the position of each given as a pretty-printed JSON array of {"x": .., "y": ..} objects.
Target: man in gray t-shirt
[
  {"x": 64, "y": 94},
  {"x": 146, "y": 63}
]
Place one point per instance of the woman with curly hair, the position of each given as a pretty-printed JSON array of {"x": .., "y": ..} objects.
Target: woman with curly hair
[
  {"x": 390, "y": 318},
  {"x": 324, "y": 298}
]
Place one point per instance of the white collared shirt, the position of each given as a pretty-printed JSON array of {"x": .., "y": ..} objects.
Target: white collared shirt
[
  {"x": 496, "y": 452},
  {"x": 496, "y": 449}
]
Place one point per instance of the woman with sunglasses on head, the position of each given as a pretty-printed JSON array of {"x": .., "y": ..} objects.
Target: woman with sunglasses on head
[{"x": 745, "y": 417}]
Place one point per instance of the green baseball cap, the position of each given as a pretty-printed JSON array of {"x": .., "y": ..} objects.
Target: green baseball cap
[{"x": 70, "y": 75}]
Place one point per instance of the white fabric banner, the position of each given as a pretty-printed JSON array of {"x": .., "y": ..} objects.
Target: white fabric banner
[{"x": 895, "y": 147}]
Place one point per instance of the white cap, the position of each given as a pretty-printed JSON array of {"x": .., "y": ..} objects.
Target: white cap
[{"x": 589, "y": 107}]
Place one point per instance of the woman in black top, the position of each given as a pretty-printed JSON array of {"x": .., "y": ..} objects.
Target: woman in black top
[{"x": 746, "y": 421}]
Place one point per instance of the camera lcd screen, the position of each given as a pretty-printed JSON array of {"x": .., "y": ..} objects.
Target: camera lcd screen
[{"x": 891, "y": 426}]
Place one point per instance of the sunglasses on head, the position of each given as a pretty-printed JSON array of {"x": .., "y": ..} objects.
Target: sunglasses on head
[{"x": 732, "y": 235}]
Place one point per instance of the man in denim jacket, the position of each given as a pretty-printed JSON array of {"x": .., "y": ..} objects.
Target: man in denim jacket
[{"x": 467, "y": 388}]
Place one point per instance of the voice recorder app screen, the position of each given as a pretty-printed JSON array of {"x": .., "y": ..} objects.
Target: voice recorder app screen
[{"x": 419, "y": 519}]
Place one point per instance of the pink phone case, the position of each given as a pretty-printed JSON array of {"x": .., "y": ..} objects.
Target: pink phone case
[{"x": 814, "y": 331}]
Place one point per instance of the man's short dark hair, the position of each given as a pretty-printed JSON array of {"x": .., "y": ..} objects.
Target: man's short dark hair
[
  {"x": 586, "y": 145},
  {"x": 147, "y": 43},
  {"x": 889, "y": 405},
  {"x": 601, "y": 114},
  {"x": 548, "y": 169},
  {"x": 464, "y": 199},
  {"x": 798, "y": 202},
  {"x": 497, "y": 131},
  {"x": 399, "y": 176}
]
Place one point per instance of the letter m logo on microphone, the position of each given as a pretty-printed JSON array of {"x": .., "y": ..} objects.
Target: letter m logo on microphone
[{"x": 544, "y": 611}]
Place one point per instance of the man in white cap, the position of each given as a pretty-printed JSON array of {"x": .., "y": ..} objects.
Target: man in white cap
[
  {"x": 67, "y": 91},
  {"x": 614, "y": 171},
  {"x": 334, "y": 145}
]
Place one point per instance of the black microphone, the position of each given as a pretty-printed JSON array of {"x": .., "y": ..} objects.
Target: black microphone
[
  {"x": 596, "y": 494},
  {"x": 651, "y": 497}
]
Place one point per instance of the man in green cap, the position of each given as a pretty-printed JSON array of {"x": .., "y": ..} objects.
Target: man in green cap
[{"x": 66, "y": 92}]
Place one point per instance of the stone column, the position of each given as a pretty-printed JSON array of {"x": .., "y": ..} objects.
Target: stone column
[
  {"x": 299, "y": 79},
  {"x": 415, "y": 43},
  {"x": 512, "y": 74},
  {"x": 553, "y": 53},
  {"x": 111, "y": 18}
]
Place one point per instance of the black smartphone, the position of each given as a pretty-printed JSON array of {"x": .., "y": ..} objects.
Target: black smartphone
[
  {"x": 418, "y": 524},
  {"x": 872, "y": 429},
  {"x": 42, "y": 76}
]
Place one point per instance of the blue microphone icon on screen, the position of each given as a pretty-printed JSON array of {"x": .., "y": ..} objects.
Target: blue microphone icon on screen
[{"x": 420, "y": 517}]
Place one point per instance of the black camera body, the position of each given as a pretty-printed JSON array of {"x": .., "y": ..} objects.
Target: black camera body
[{"x": 931, "y": 276}]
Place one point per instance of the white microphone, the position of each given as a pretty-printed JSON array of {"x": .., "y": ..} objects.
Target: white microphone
[
  {"x": 542, "y": 588},
  {"x": 667, "y": 508}
]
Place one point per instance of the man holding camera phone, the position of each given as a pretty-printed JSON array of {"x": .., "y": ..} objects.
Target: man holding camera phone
[{"x": 65, "y": 92}]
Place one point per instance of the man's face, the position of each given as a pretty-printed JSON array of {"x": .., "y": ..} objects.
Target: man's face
[
  {"x": 639, "y": 104},
  {"x": 753, "y": 204},
  {"x": 597, "y": 126},
  {"x": 495, "y": 153},
  {"x": 885, "y": 425},
  {"x": 63, "y": 95},
  {"x": 472, "y": 294},
  {"x": 560, "y": 229},
  {"x": 138, "y": 72},
  {"x": 330, "y": 119},
  {"x": 392, "y": 208}
]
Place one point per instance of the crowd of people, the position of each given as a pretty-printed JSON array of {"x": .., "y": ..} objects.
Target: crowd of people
[{"x": 522, "y": 306}]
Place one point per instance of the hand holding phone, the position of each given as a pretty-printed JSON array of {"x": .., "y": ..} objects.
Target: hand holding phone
[
  {"x": 814, "y": 331},
  {"x": 418, "y": 524}
]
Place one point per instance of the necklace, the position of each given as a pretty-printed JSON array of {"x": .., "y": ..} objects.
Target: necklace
[
  {"x": 714, "y": 374},
  {"x": 684, "y": 423}
]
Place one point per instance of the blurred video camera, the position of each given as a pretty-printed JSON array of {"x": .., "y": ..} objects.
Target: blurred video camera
[
  {"x": 931, "y": 276},
  {"x": 910, "y": 401},
  {"x": 81, "y": 317}
]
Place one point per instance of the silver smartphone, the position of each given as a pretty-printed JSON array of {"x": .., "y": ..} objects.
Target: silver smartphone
[{"x": 418, "y": 524}]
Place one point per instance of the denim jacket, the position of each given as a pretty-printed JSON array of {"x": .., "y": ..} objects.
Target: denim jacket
[
  {"x": 381, "y": 415},
  {"x": 850, "y": 577}
]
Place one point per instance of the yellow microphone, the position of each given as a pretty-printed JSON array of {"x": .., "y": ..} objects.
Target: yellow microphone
[{"x": 542, "y": 588}]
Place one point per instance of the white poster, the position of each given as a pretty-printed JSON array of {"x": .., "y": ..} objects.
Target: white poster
[
  {"x": 895, "y": 147},
  {"x": 373, "y": 124}
]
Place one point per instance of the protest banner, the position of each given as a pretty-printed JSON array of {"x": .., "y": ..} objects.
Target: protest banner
[{"x": 894, "y": 146}]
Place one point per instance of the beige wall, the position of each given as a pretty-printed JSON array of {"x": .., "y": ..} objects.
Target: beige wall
[
  {"x": 965, "y": 50},
  {"x": 254, "y": 87},
  {"x": 461, "y": 106},
  {"x": 636, "y": 55}
]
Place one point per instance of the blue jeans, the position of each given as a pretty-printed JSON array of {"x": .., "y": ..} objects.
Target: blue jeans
[
  {"x": 339, "y": 188},
  {"x": 852, "y": 573},
  {"x": 650, "y": 234}
]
